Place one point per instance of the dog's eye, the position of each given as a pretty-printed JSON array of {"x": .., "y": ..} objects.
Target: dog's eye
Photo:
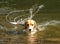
[
  {"x": 27, "y": 24},
  {"x": 32, "y": 24}
]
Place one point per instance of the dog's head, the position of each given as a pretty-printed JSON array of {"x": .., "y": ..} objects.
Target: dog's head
[{"x": 30, "y": 25}]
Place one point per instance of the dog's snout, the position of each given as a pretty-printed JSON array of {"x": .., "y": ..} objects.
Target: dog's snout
[{"x": 29, "y": 29}]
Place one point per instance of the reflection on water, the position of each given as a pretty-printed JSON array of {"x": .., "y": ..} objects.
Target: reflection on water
[{"x": 32, "y": 39}]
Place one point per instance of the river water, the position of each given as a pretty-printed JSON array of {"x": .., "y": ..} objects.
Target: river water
[{"x": 48, "y": 25}]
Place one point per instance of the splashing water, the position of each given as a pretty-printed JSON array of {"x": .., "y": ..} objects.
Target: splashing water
[
  {"x": 43, "y": 26},
  {"x": 22, "y": 21},
  {"x": 14, "y": 11},
  {"x": 39, "y": 7},
  {"x": 33, "y": 14}
]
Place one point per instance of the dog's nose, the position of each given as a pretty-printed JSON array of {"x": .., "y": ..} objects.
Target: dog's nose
[{"x": 29, "y": 29}]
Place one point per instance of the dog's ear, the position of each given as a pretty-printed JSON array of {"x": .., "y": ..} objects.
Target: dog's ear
[
  {"x": 35, "y": 24},
  {"x": 25, "y": 25}
]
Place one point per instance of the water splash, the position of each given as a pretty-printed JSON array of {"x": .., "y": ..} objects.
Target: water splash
[
  {"x": 39, "y": 7},
  {"x": 31, "y": 10},
  {"x": 12, "y": 12},
  {"x": 41, "y": 26},
  {"x": 30, "y": 16},
  {"x": 22, "y": 21},
  {"x": 44, "y": 25}
]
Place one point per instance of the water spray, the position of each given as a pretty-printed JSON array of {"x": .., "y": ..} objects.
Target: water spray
[
  {"x": 22, "y": 21},
  {"x": 14, "y": 22},
  {"x": 45, "y": 25},
  {"x": 39, "y": 7},
  {"x": 31, "y": 11}
]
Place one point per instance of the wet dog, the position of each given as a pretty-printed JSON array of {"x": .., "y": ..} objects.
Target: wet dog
[{"x": 30, "y": 26}]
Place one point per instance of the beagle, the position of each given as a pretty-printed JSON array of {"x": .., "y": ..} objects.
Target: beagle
[{"x": 30, "y": 26}]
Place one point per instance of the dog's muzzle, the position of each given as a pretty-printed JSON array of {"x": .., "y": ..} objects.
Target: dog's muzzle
[{"x": 29, "y": 30}]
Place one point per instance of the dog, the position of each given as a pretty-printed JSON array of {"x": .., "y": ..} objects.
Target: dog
[{"x": 30, "y": 26}]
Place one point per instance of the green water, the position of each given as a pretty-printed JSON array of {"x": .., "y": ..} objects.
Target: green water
[{"x": 51, "y": 11}]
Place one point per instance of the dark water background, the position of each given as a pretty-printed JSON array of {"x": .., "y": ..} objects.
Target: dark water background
[{"x": 11, "y": 34}]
